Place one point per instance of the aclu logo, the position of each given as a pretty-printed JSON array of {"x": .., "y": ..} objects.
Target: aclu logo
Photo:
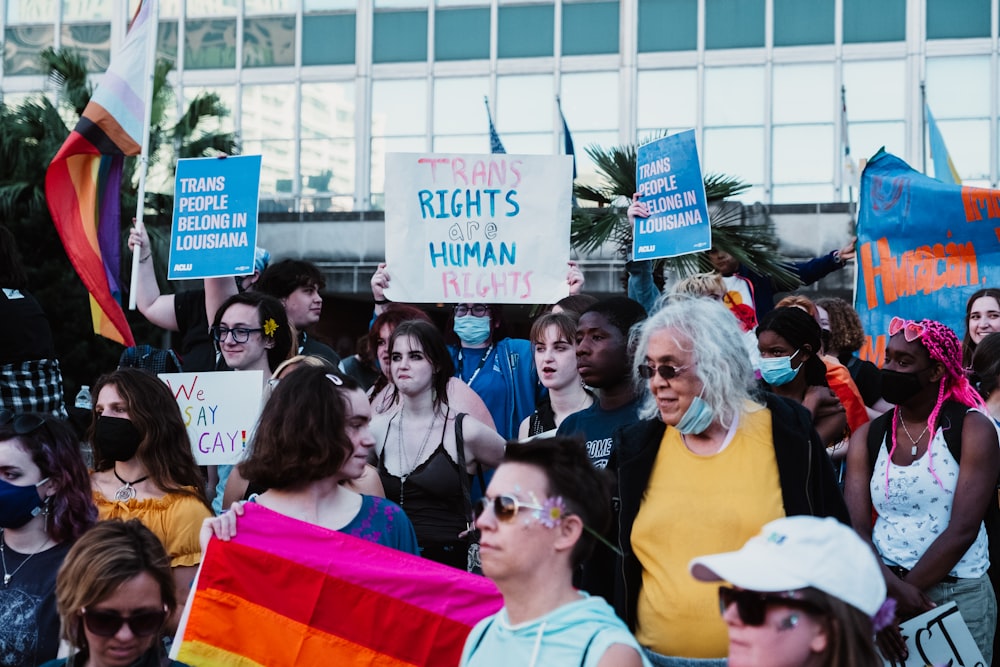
[{"x": 183, "y": 267}]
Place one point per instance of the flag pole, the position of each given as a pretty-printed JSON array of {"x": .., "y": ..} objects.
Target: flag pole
[
  {"x": 140, "y": 207},
  {"x": 923, "y": 128}
]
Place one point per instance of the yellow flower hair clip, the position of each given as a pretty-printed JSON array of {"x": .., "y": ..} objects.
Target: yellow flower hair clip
[{"x": 270, "y": 326}]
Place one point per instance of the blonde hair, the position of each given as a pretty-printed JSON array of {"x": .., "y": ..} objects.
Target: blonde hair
[
  {"x": 303, "y": 359},
  {"x": 700, "y": 284}
]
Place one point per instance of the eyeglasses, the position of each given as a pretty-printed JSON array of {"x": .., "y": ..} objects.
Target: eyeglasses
[
  {"x": 240, "y": 334},
  {"x": 752, "y": 605},
  {"x": 23, "y": 423},
  {"x": 664, "y": 371},
  {"x": 505, "y": 507},
  {"x": 108, "y": 623},
  {"x": 477, "y": 310},
  {"x": 911, "y": 330}
]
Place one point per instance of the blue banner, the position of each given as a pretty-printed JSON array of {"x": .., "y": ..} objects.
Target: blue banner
[
  {"x": 924, "y": 247},
  {"x": 214, "y": 227},
  {"x": 668, "y": 178}
]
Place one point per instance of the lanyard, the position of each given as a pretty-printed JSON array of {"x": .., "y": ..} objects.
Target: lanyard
[{"x": 482, "y": 362}]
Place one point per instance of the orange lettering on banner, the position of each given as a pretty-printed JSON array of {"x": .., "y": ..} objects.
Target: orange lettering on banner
[
  {"x": 924, "y": 270},
  {"x": 873, "y": 349},
  {"x": 978, "y": 201}
]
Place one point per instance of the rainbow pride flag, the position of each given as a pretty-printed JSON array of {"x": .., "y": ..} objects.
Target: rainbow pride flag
[
  {"x": 83, "y": 181},
  {"x": 284, "y": 592}
]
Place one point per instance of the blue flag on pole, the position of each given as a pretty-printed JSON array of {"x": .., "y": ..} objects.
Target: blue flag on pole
[
  {"x": 496, "y": 146},
  {"x": 567, "y": 137},
  {"x": 944, "y": 168}
]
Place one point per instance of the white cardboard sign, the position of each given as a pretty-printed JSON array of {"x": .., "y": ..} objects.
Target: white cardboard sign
[{"x": 939, "y": 637}]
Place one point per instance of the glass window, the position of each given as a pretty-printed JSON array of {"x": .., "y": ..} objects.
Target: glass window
[
  {"x": 867, "y": 138},
  {"x": 266, "y": 111},
  {"x": 168, "y": 9},
  {"x": 328, "y": 5},
  {"x": 875, "y": 89},
  {"x": 947, "y": 19},
  {"x": 227, "y": 97},
  {"x": 22, "y": 46},
  {"x": 802, "y": 154},
  {"x": 736, "y": 152},
  {"x": 213, "y": 8},
  {"x": 734, "y": 24},
  {"x": 589, "y": 27},
  {"x": 667, "y": 99},
  {"x": 949, "y": 93},
  {"x": 399, "y": 107},
  {"x": 532, "y": 143},
  {"x": 524, "y": 105},
  {"x": 277, "y": 165},
  {"x": 464, "y": 3},
  {"x": 328, "y": 39},
  {"x": 327, "y": 110},
  {"x": 801, "y": 194},
  {"x": 586, "y": 169},
  {"x": 400, "y": 37},
  {"x": 91, "y": 40},
  {"x": 166, "y": 41},
  {"x": 269, "y": 42},
  {"x": 459, "y": 108},
  {"x": 964, "y": 141},
  {"x": 400, "y": 4},
  {"x": 462, "y": 34},
  {"x": 463, "y": 143},
  {"x": 590, "y": 101},
  {"x": 867, "y": 21},
  {"x": 668, "y": 25},
  {"x": 31, "y": 11},
  {"x": 210, "y": 44},
  {"x": 269, "y": 6},
  {"x": 380, "y": 147},
  {"x": 734, "y": 96},
  {"x": 803, "y": 94},
  {"x": 86, "y": 10},
  {"x": 525, "y": 31},
  {"x": 327, "y": 166},
  {"x": 798, "y": 22}
]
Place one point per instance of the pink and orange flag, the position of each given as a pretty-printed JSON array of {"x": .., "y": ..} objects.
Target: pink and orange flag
[
  {"x": 83, "y": 182},
  {"x": 284, "y": 592}
]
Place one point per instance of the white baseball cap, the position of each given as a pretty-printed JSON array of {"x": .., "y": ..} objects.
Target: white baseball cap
[{"x": 799, "y": 552}]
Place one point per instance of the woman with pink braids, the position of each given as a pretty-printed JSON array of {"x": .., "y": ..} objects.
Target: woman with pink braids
[{"x": 929, "y": 470}]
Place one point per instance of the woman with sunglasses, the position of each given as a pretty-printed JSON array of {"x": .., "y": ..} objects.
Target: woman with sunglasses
[
  {"x": 708, "y": 444},
  {"x": 420, "y": 459},
  {"x": 45, "y": 505},
  {"x": 143, "y": 466},
  {"x": 930, "y": 471},
  {"x": 539, "y": 520},
  {"x": 115, "y": 593},
  {"x": 806, "y": 592}
]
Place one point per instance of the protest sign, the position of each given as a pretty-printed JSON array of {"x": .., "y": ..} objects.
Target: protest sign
[
  {"x": 220, "y": 409},
  {"x": 924, "y": 248},
  {"x": 939, "y": 637},
  {"x": 285, "y": 592},
  {"x": 477, "y": 228},
  {"x": 214, "y": 229},
  {"x": 668, "y": 179}
]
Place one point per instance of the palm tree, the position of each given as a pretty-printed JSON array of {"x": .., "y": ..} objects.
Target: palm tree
[{"x": 746, "y": 233}]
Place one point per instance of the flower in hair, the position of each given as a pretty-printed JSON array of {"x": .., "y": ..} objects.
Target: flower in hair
[
  {"x": 553, "y": 510},
  {"x": 270, "y": 326},
  {"x": 885, "y": 616}
]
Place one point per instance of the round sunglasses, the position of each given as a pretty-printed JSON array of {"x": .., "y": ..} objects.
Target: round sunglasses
[
  {"x": 752, "y": 605},
  {"x": 108, "y": 623},
  {"x": 505, "y": 507}
]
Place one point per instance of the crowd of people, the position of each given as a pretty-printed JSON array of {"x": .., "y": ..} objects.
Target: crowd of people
[{"x": 605, "y": 473}]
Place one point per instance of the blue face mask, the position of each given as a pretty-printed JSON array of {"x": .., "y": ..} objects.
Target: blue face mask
[
  {"x": 777, "y": 371},
  {"x": 697, "y": 418},
  {"x": 472, "y": 330},
  {"x": 19, "y": 504}
]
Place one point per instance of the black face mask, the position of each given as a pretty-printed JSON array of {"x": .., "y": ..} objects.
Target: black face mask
[
  {"x": 900, "y": 387},
  {"x": 117, "y": 439}
]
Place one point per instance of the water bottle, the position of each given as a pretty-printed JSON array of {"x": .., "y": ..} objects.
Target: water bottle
[{"x": 83, "y": 398}]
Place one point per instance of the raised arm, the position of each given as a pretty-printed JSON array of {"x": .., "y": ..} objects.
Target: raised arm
[{"x": 155, "y": 307}]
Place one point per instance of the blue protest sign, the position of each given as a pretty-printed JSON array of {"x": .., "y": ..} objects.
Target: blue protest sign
[
  {"x": 668, "y": 178},
  {"x": 214, "y": 228},
  {"x": 924, "y": 247}
]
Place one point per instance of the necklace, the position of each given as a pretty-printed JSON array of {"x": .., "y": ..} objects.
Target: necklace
[
  {"x": 913, "y": 441},
  {"x": 127, "y": 492},
  {"x": 7, "y": 576},
  {"x": 475, "y": 373},
  {"x": 404, "y": 464}
]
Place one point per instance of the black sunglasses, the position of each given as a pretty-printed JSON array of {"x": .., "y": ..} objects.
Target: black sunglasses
[
  {"x": 752, "y": 605},
  {"x": 108, "y": 623},
  {"x": 23, "y": 423},
  {"x": 504, "y": 507},
  {"x": 664, "y": 371}
]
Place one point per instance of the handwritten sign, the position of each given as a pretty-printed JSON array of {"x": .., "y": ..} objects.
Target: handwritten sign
[
  {"x": 668, "y": 178},
  {"x": 924, "y": 247},
  {"x": 477, "y": 228},
  {"x": 939, "y": 637},
  {"x": 220, "y": 410},
  {"x": 214, "y": 227}
]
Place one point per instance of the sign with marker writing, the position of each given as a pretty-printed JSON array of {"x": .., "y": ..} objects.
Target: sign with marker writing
[
  {"x": 477, "y": 228},
  {"x": 220, "y": 410},
  {"x": 924, "y": 247},
  {"x": 939, "y": 637},
  {"x": 669, "y": 181},
  {"x": 214, "y": 228}
]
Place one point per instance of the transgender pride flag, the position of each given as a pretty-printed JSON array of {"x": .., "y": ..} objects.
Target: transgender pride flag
[
  {"x": 83, "y": 181},
  {"x": 284, "y": 592}
]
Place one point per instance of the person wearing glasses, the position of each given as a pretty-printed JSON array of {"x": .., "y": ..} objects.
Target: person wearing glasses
[
  {"x": 115, "y": 593},
  {"x": 540, "y": 518},
  {"x": 45, "y": 505},
  {"x": 806, "y": 592},
  {"x": 143, "y": 466},
  {"x": 711, "y": 460},
  {"x": 929, "y": 467}
]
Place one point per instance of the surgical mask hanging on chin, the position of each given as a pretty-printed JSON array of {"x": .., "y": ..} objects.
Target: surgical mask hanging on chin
[
  {"x": 19, "y": 504},
  {"x": 777, "y": 371},
  {"x": 472, "y": 330},
  {"x": 697, "y": 418}
]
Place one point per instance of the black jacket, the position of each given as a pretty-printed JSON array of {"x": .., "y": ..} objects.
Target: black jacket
[{"x": 808, "y": 484}]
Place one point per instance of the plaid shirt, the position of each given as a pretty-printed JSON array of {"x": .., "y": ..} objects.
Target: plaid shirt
[{"x": 33, "y": 386}]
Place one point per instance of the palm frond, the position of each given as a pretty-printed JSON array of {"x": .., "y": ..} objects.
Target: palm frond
[{"x": 71, "y": 69}]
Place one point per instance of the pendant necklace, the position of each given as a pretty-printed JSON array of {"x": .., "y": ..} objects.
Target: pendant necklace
[
  {"x": 7, "y": 576},
  {"x": 913, "y": 441},
  {"x": 127, "y": 492},
  {"x": 404, "y": 464}
]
